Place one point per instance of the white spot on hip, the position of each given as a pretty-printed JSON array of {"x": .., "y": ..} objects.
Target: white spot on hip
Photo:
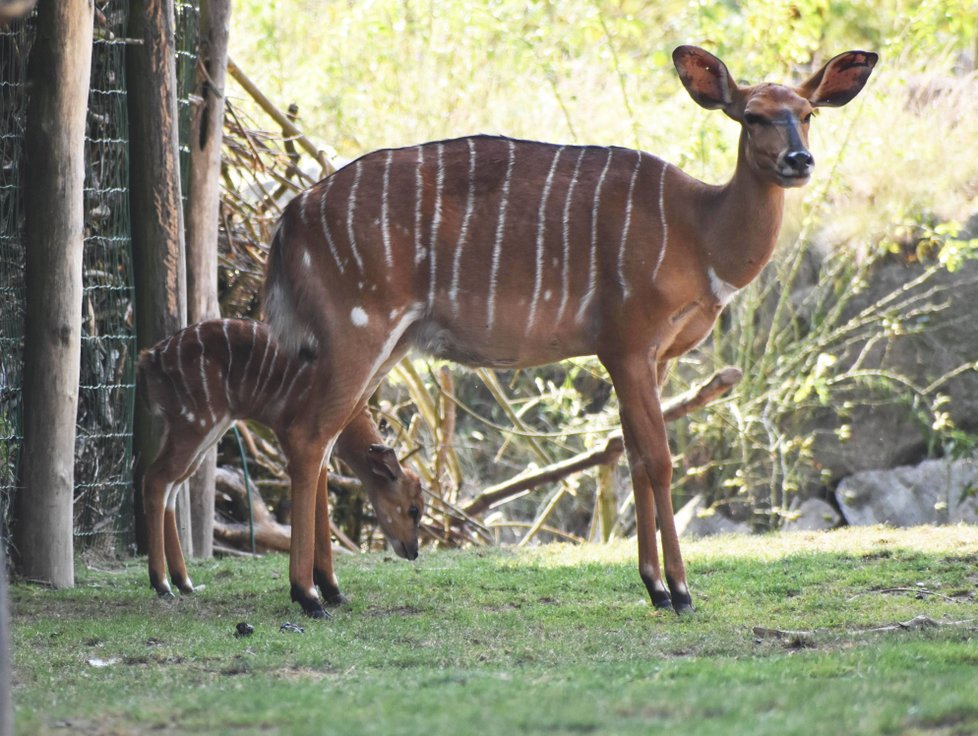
[{"x": 359, "y": 317}]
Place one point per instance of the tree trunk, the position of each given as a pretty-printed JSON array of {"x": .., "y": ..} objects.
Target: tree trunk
[
  {"x": 157, "y": 214},
  {"x": 59, "y": 72},
  {"x": 203, "y": 211},
  {"x": 6, "y": 700}
]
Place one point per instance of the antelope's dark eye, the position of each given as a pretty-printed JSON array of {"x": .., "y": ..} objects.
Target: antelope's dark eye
[
  {"x": 754, "y": 119},
  {"x": 807, "y": 119},
  {"x": 415, "y": 513}
]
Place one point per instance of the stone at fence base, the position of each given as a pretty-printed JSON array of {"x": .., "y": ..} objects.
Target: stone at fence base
[
  {"x": 813, "y": 515},
  {"x": 694, "y": 519},
  {"x": 933, "y": 492}
]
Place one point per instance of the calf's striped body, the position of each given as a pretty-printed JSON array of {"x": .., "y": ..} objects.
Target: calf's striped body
[
  {"x": 506, "y": 253},
  {"x": 208, "y": 375}
]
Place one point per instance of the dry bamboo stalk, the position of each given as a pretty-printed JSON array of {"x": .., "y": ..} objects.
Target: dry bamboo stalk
[{"x": 279, "y": 117}]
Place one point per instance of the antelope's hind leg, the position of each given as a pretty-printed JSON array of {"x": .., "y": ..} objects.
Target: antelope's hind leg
[
  {"x": 159, "y": 483},
  {"x": 323, "y": 574}
]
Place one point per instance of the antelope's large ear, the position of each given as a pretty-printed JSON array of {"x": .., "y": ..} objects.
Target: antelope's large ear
[
  {"x": 840, "y": 79},
  {"x": 705, "y": 77},
  {"x": 383, "y": 462}
]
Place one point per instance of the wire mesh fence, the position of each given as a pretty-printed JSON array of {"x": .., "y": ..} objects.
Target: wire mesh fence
[
  {"x": 103, "y": 449},
  {"x": 15, "y": 44},
  {"x": 103, "y": 453}
]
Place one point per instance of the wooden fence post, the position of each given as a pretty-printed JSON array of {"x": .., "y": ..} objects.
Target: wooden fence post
[
  {"x": 59, "y": 71},
  {"x": 159, "y": 267},
  {"x": 203, "y": 212},
  {"x": 6, "y": 699}
]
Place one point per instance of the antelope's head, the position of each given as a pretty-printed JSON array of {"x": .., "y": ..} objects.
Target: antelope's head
[
  {"x": 775, "y": 118},
  {"x": 395, "y": 493}
]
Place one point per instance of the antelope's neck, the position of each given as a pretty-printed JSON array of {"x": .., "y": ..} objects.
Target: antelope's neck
[{"x": 742, "y": 221}]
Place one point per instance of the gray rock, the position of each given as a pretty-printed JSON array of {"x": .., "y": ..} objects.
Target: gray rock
[
  {"x": 933, "y": 492},
  {"x": 813, "y": 514},
  {"x": 940, "y": 334},
  {"x": 696, "y": 520}
]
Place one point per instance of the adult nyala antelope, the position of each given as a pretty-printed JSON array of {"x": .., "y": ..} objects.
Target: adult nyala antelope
[
  {"x": 507, "y": 253},
  {"x": 209, "y": 374}
]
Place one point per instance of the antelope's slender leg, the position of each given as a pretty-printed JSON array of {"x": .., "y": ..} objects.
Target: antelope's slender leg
[
  {"x": 672, "y": 556},
  {"x": 174, "y": 552},
  {"x": 322, "y": 572},
  {"x": 159, "y": 483},
  {"x": 155, "y": 489},
  {"x": 650, "y": 464}
]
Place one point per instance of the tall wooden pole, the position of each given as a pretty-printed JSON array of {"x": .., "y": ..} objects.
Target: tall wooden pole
[
  {"x": 6, "y": 699},
  {"x": 157, "y": 213},
  {"x": 58, "y": 74},
  {"x": 202, "y": 212}
]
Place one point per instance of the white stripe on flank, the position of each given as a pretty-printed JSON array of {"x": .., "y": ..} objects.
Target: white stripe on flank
[
  {"x": 541, "y": 232},
  {"x": 418, "y": 198},
  {"x": 500, "y": 229},
  {"x": 251, "y": 354},
  {"x": 281, "y": 381},
  {"x": 565, "y": 270},
  {"x": 183, "y": 377},
  {"x": 271, "y": 370},
  {"x": 385, "y": 213},
  {"x": 203, "y": 374},
  {"x": 464, "y": 231},
  {"x": 592, "y": 277},
  {"x": 326, "y": 230},
  {"x": 625, "y": 228},
  {"x": 351, "y": 208},
  {"x": 288, "y": 391},
  {"x": 662, "y": 217},
  {"x": 435, "y": 224},
  {"x": 227, "y": 372},
  {"x": 261, "y": 369}
]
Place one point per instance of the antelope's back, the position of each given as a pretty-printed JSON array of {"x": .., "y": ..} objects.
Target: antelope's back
[{"x": 491, "y": 241}]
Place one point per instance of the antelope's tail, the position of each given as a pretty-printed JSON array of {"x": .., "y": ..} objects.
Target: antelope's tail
[{"x": 287, "y": 285}]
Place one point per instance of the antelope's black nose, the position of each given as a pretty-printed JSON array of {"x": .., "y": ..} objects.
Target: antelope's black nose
[{"x": 800, "y": 160}]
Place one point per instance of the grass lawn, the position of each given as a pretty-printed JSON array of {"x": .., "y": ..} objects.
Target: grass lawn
[{"x": 793, "y": 634}]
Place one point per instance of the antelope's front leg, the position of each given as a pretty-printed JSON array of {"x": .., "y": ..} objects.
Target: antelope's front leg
[
  {"x": 171, "y": 535},
  {"x": 155, "y": 490},
  {"x": 322, "y": 571},
  {"x": 650, "y": 464},
  {"x": 304, "y": 467}
]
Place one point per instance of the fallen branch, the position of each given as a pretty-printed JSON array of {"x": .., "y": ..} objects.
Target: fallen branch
[
  {"x": 495, "y": 495},
  {"x": 697, "y": 397},
  {"x": 807, "y": 638},
  {"x": 269, "y": 534},
  {"x": 920, "y": 593}
]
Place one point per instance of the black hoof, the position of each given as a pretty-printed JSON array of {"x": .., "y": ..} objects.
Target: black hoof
[
  {"x": 164, "y": 593},
  {"x": 334, "y": 599},
  {"x": 684, "y": 608},
  {"x": 317, "y": 612},
  {"x": 682, "y": 602},
  {"x": 330, "y": 592},
  {"x": 661, "y": 599},
  {"x": 311, "y": 605},
  {"x": 186, "y": 588}
]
